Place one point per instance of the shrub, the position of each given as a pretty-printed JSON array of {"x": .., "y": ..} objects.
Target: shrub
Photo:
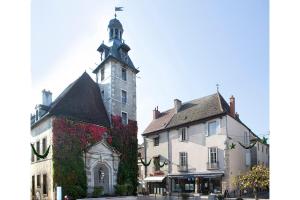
[
  {"x": 220, "y": 197},
  {"x": 75, "y": 192},
  {"x": 130, "y": 189},
  {"x": 98, "y": 191},
  {"x": 121, "y": 189}
]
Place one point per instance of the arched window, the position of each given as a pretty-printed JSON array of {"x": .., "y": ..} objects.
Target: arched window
[{"x": 116, "y": 33}]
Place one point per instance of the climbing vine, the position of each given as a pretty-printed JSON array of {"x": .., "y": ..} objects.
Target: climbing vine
[
  {"x": 125, "y": 141},
  {"x": 70, "y": 140}
]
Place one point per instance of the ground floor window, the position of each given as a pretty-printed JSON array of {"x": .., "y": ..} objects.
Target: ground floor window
[
  {"x": 33, "y": 185},
  {"x": 45, "y": 190},
  {"x": 157, "y": 187},
  {"x": 189, "y": 184}
]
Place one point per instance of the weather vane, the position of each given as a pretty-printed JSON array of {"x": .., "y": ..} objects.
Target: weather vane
[{"x": 118, "y": 9}]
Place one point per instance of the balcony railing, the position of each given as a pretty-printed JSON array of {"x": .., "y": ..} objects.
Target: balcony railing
[
  {"x": 213, "y": 165},
  {"x": 183, "y": 168}
]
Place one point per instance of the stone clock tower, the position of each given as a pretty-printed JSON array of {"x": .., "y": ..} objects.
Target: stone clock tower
[{"x": 116, "y": 75}]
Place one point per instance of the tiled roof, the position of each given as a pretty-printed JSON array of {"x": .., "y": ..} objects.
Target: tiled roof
[
  {"x": 114, "y": 51},
  {"x": 82, "y": 101},
  {"x": 191, "y": 111}
]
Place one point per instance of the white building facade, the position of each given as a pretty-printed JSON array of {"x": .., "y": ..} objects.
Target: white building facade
[{"x": 194, "y": 138}]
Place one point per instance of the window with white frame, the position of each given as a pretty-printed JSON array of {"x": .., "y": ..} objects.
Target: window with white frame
[
  {"x": 124, "y": 118},
  {"x": 156, "y": 141},
  {"x": 124, "y": 97},
  {"x": 213, "y": 154},
  {"x": 183, "y": 159},
  {"x": 124, "y": 74},
  {"x": 212, "y": 128},
  {"x": 246, "y": 138},
  {"x": 183, "y": 134}
]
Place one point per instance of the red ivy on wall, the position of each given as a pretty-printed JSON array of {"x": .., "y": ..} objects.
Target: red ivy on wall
[{"x": 87, "y": 133}]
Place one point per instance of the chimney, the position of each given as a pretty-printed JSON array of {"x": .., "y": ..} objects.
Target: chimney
[
  {"x": 177, "y": 105},
  {"x": 47, "y": 97},
  {"x": 232, "y": 106},
  {"x": 156, "y": 113}
]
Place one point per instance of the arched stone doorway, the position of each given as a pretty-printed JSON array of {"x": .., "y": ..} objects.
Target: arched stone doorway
[{"x": 102, "y": 176}]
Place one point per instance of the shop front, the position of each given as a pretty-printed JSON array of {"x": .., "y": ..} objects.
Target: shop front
[
  {"x": 156, "y": 185},
  {"x": 196, "y": 183}
]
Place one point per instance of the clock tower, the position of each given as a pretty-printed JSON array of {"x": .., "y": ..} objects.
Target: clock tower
[{"x": 116, "y": 75}]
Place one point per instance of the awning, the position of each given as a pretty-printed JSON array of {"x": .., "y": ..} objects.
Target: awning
[
  {"x": 154, "y": 178},
  {"x": 212, "y": 174}
]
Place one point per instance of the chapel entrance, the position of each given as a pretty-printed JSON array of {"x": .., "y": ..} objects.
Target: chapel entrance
[{"x": 102, "y": 177}]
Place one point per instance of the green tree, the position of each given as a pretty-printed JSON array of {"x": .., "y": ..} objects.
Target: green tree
[{"x": 255, "y": 179}]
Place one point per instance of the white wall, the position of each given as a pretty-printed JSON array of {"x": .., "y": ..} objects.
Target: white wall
[{"x": 43, "y": 166}]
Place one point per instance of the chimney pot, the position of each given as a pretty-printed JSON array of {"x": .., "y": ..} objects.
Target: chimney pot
[
  {"x": 177, "y": 105},
  {"x": 232, "y": 106},
  {"x": 46, "y": 97},
  {"x": 156, "y": 113}
]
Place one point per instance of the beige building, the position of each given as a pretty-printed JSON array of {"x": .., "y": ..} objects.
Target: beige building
[{"x": 194, "y": 138}]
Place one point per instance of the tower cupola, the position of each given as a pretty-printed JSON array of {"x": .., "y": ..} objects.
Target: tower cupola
[{"x": 115, "y": 29}]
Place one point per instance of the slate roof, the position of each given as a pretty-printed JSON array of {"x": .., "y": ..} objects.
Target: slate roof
[
  {"x": 82, "y": 101},
  {"x": 190, "y": 111},
  {"x": 114, "y": 51}
]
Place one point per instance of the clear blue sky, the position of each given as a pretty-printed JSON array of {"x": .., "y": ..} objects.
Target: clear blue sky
[{"x": 182, "y": 49}]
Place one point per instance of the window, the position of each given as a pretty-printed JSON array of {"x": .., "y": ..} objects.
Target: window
[
  {"x": 212, "y": 128},
  {"x": 267, "y": 150},
  {"x": 116, "y": 33},
  {"x": 111, "y": 33},
  {"x": 262, "y": 148},
  {"x": 32, "y": 156},
  {"x": 213, "y": 155},
  {"x": 38, "y": 181},
  {"x": 32, "y": 185},
  {"x": 183, "y": 159},
  {"x": 156, "y": 141},
  {"x": 124, "y": 97},
  {"x": 102, "y": 93},
  {"x": 102, "y": 74},
  {"x": 183, "y": 134},
  {"x": 124, "y": 74},
  {"x": 45, "y": 190},
  {"x": 124, "y": 118},
  {"x": 257, "y": 146},
  {"x": 246, "y": 138},
  {"x": 36, "y": 115},
  {"x": 44, "y": 145},
  {"x": 38, "y": 148}
]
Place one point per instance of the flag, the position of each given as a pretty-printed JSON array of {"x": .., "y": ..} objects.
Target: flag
[{"x": 118, "y": 8}]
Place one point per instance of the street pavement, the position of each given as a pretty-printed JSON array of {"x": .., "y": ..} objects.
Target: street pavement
[{"x": 154, "y": 198}]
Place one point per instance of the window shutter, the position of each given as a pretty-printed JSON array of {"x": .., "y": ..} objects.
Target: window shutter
[
  {"x": 206, "y": 129},
  {"x": 179, "y": 135},
  {"x": 186, "y": 134}
]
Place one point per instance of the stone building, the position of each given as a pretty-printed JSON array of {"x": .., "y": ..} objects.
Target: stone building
[
  {"x": 194, "y": 138},
  {"x": 84, "y": 100}
]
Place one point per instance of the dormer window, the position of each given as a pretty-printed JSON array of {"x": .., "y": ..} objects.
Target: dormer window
[
  {"x": 36, "y": 115},
  {"x": 116, "y": 33},
  {"x": 111, "y": 33}
]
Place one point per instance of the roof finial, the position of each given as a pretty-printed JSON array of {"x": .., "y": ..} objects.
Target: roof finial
[{"x": 217, "y": 87}]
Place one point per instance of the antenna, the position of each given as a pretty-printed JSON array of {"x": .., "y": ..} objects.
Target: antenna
[{"x": 217, "y": 87}]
